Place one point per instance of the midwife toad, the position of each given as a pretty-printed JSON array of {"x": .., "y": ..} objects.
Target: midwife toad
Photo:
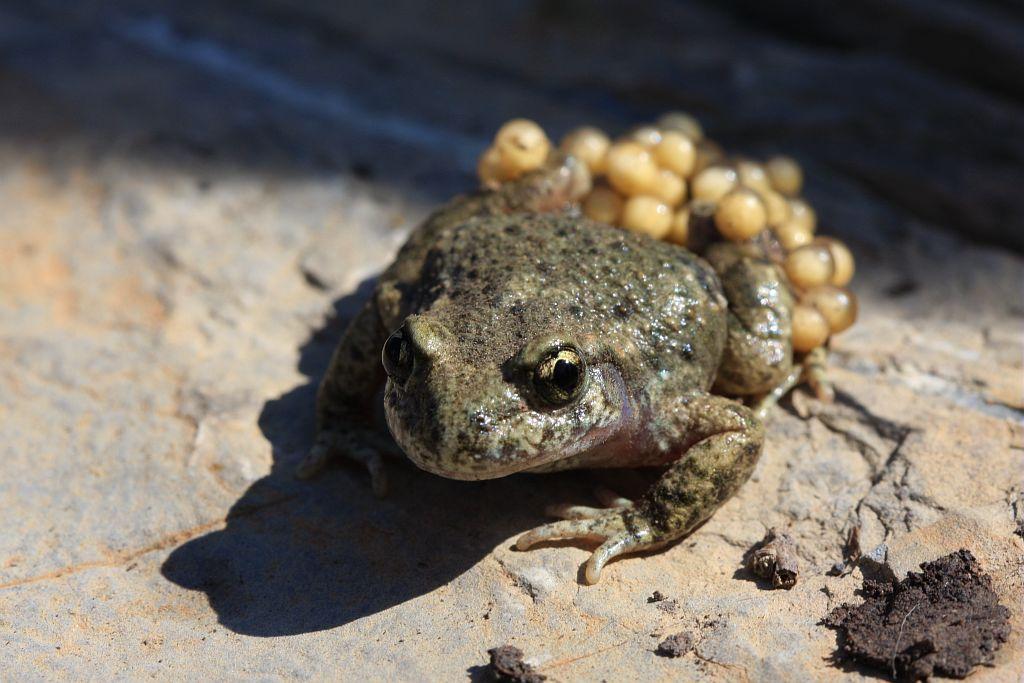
[{"x": 519, "y": 336}]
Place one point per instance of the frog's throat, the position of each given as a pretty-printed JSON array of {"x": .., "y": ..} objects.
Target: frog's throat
[{"x": 613, "y": 417}]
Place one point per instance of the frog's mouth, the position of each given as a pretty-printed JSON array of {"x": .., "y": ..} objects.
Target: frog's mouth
[{"x": 492, "y": 444}]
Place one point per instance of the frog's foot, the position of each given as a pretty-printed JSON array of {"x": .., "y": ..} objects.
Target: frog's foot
[
  {"x": 619, "y": 529},
  {"x": 561, "y": 181},
  {"x": 815, "y": 373},
  {"x": 331, "y": 444}
]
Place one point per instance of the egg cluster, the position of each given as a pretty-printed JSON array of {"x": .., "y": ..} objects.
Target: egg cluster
[{"x": 669, "y": 181}]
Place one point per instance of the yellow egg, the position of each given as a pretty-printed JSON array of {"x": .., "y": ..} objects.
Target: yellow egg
[
  {"x": 490, "y": 169},
  {"x": 523, "y": 145},
  {"x": 803, "y": 214},
  {"x": 647, "y": 215},
  {"x": 842, "y": 258},
  {"x": 648, "y": 136},
  {"x": 792, "y": 235},
  {"x": 682, "y": 122},
  {"x": 752, "y": 175},
  {"x": 589, "y": 145},
  {"x": 713, "y": 183},
  {"x": 677, "y": 153},
  {"x": 669, "y": 187},
  {"x": 809, "y": 266},
  {"x": 740, "y": 215},
  {"x": 837, "y": 304},
  {"x": 785, "y": 175},
  {"x": 631, "y": 168},
  {"x": 708, "y": 154},
  {"x": 679, "y": 231},
  {"x": 776, "y": 206},
  {"x": 604, "y": 205},
  {"x": 810, "y": 328}
]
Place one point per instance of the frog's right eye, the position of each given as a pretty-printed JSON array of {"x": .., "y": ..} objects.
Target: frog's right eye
[
  {"x": 397, "y": 357},
  {"x": 560, "y": 376}
]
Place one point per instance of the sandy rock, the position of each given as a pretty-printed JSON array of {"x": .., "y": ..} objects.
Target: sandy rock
[{"x": 186, "y": 222}]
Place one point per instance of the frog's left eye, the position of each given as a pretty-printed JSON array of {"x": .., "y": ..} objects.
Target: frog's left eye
[{"x": 560, "y": 376}]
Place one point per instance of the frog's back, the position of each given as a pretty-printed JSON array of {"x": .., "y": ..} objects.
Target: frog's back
[{"x": 660, "y": 304}]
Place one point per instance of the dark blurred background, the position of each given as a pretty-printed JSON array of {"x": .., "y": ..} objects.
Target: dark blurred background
[{"x": 921, "y": 102}]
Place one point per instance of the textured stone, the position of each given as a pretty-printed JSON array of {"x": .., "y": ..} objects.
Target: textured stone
[{"x": 192, "y": 203}]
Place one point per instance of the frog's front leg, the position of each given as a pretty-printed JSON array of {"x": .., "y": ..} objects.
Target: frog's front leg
[
  {"x": 344, "y": 420},
  {"x": 717, "y": 442}
]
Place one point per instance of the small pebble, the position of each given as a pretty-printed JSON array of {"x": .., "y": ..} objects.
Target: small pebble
[{"x": 675, "y": 645}]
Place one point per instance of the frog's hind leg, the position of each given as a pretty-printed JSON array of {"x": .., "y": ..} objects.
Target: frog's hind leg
[{"x": 758, "y": 355}]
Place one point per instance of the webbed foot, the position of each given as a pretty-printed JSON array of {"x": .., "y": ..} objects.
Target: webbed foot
[
  {"x": 620, "y": 529},
  {"x": 357, "y": 446}
]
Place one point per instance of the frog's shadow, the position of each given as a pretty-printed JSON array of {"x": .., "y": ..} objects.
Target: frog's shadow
[{"x": 300, "y": 556}]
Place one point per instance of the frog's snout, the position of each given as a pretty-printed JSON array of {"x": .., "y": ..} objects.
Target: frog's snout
[{"x": 411, "y": 348}]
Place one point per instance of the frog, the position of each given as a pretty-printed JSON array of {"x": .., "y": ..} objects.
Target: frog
[{"x": 513, "y": 334}]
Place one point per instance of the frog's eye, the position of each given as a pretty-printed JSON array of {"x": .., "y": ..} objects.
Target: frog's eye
[
  {"x": 397, "y": 357},
  {"x": 559, "y": 377}
]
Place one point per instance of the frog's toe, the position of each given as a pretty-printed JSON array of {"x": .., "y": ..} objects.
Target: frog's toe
[
  {"x": 621, "y": 543},
  {"x": 610, "y": 499},
  {"x": 815, "y": 373},
  {"x": 596, "y": 528},
  {"x": 330, "y": 445},
  {"x": 314, "y": 462},
  {"x": 378, "y": 475},
  {"x": 567, "y": 511}
]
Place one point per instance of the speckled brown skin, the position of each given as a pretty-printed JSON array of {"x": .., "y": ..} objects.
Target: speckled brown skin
[{"x": 491, "y": 286}]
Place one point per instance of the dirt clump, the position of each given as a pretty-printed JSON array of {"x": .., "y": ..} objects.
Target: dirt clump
[
  {"x": 507, "y": 666},
  {"x": 942, "y": 621},
  {"x": 675, "y": 645}
]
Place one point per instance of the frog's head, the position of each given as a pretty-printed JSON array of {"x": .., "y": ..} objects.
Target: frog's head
[{"x": 465, "y": 409}]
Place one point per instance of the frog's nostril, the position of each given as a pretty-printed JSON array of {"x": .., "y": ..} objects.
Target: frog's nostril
[{"x": 397, "y": 357}]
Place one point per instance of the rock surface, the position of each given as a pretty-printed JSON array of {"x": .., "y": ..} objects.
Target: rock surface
[{"x": 193, "y": 202}]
